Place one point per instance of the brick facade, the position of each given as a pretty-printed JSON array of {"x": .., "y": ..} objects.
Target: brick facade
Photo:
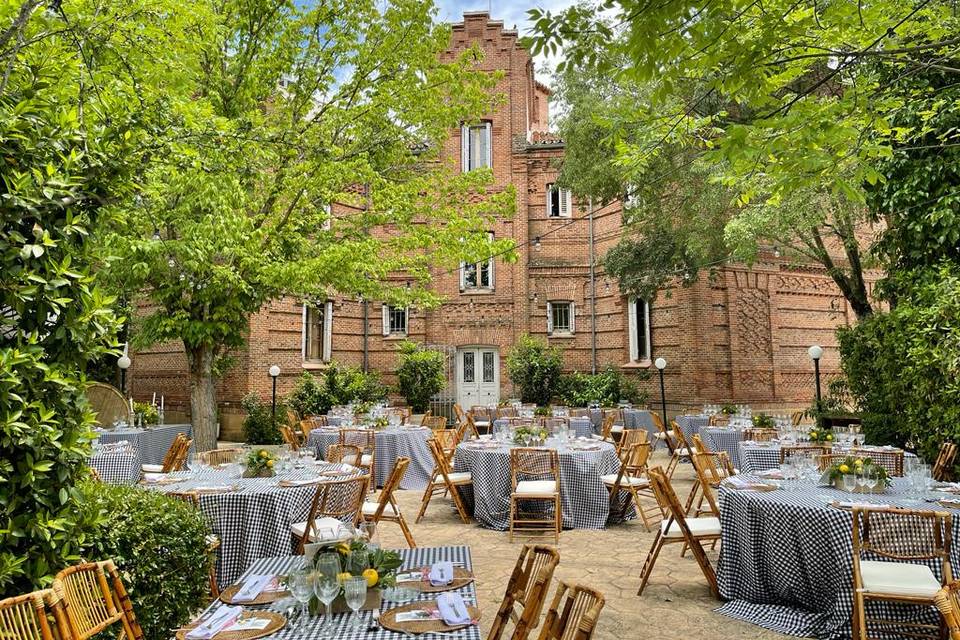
[{"x": 741, "y": 338}]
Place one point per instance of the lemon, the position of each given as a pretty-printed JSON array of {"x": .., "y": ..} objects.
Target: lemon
[
  {"x": 858, "y": 462},
  {"x": 270, "y": 463},
  {"x": 343, "y": 548},
  {"x": 263, "y": 454},
  {"x": 813, "y": 434},
  {"x": 829, "y": 437},
  {"x": 844, "y": 468},
  {"x": 372, "y": 576},
  {"x": 343, "y": 576}
]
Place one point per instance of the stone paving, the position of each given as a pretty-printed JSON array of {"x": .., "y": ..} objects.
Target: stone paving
[{"x": 675, "y": 604}]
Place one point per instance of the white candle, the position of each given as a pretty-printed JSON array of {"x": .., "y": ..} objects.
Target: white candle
[
  {"x": 153, "y": 401},
  {"x": 131, "y": 405},
  {"x": 161, "y": 403}
]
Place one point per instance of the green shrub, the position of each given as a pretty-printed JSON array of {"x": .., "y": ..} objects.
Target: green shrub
[
  {"x": 259, "y": 426},
  {"x": 158, "y": 544},
  {"x": 606, "y": 389},
  {"x": 535, "y": 369},
  {"x": 335, "y": 385},
  {"x": 309, "y": 397},
  {"x": 421, "y": 374}
]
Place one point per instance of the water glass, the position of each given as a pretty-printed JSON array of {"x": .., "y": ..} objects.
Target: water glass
[
  {"x": 301, "y": 588},
  {"x": 355, "y": 593},
  {"x": 325, "y": 583},
  {"x": 849, "y": 482},
  {"x": 368, "y": 530}
]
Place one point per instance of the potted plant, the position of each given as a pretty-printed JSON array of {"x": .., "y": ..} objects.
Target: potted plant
[
  {"x": 259, "y": 464},
  {"x": 851, "y": 466},
  {"x": 763, "y": 421}
]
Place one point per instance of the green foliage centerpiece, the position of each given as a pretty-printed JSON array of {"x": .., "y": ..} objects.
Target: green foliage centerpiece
[
  {"x": 824, "y": 436},
  {"x": 357, "y": 557},
  {"x": 851, "y": 466},
  {"x": 530, "y": 435},
  {"x": 763, "y": 421},
  {"x": 259, "y": 464}
]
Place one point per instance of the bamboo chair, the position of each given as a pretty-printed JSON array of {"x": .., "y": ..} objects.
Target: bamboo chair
[
  {"x": 797, "y": 417},
  {"x": 340, "y": 499},
  {"x": 435, "y": 423},
  {"x": 606, "y": 429},
  {"x": 677, "y": 528},
  {"x": 902, "y": 538},
  {"x": 448, "y": 439},
  {"x": 216, "y": 457},
  {"x": 385, "y": 508},
  {"x": 573, "y": 614},
  {"x": 318, "y": 422},
  {"x": 290, "y": 437},
  {"x": 711, "y": 469},
  {"x": 680, "y": 451},
  {"x": 699, "y": 446},
  {"x": 458, "y": 412},
  {"x": 444, "y": 480},
  {"x": 342, "y": 453},
  {"x": 366, "y": 441},
  {"x": 804, "y": 451},
  {"x": 892, "y": 461},
  {"x": 482, "y": 418},
  {"x": 507, "y": 412},
  {"x": 760, "y": 435},
  {"x": 615, "y": 412},
  {"x": 467, "y": 430},
  {"x": 94, "y": 599},
  {"x": 27, "y": 617},
  {"x": 632, "y": 436},
  {"x": 170, "y": 458},
  {"x": 423, "y": 420},
  {"x": 527, "y": 587},
  {"x": 535, "y": 476},
  {"x": 306, "y": 426},
  {"x": 948, "y": 602},
  {"x": 943, "y": 467},
  {"x": 629, "y": 478},
  {"x": 212, "y": 540},
  {"x": 662, "y": 435}
]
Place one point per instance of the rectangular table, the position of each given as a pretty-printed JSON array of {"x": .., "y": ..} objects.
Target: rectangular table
[{"x": 413, "y": 558}]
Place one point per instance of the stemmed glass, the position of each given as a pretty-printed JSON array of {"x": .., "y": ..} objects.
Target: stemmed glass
[
  {"x": 325, "y": 583},
  {"x": 869, "y": 479},
  {"x": 368, "y": 530},
  {"x": 849, "y": 482},
  {"x": 355, "y": 593},
  {"x": 301, "y": 588}
]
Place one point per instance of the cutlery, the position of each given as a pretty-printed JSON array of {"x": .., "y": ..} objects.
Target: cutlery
[{"x": 375, "y": 623}]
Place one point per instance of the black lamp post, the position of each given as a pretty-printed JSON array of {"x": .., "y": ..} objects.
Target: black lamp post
[
  {"x": 124, "y": 363},
  {"x": 274, "y": 372},
  {"x": 816, "y": 352},
  {"x": 661, "y": 364}
]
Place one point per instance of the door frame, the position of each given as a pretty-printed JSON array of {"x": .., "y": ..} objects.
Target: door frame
[{"x": 478, "y": 365}]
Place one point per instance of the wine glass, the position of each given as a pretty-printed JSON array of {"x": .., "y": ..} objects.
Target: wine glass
[
  {"x": 325, "y": 583},
  {"x": 870, "y": 478},
  {"x": 301, "y": 588},
  {"x": 849, "y": 482},
  {"x": 355, "y": 593},
  {"x": 368, "y": 530}
]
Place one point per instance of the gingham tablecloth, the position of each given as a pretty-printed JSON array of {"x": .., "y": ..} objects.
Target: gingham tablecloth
[
  {"x": 585, "y": 499},
  {"x": 724, "y": 439},
  {"x": 254, "y": 521},
  {"x": 391, "y": 444},
  {"x": 639, "y": 419},
  {"x": 786, "y": 561},
  {"x": 756, "y": 457},
  {"x": 691, "y": 425},
  {"x": 582, "y": 427},
  {"x": 152, "y": 442},
  {"x": 117, "y": 467},
  {"x": 413, "y": 559}
]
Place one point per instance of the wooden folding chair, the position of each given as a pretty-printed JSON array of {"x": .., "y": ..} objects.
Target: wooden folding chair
[
  {"x": 906, "y": 541},
  {"x": 506, "y": 412},
  {"x": 699, "y": 446},
  {"x": 527, "y": 588},
  {"x": 216, "y": 457},
  {"x": 435, "y": 423},
  {"x": 444, "y": 480},
  {"x": 630, "y": 437},
  {"x": 26, "y": 617},
  {"x": 366, "y": 441},
  {"x": 629, "y": 478},
  {"x": 680, "y": 451},
  {"x": 662, "y": 435},
  {"x": 892, "y": 461},
  {"x": 677, "y": 528},
  {"x": 458, "y": 413},
  {"x": 385, "y": 508},
  {"x": 573, "y": 614},
  {"x": 943, "y": 467},
  {"x": 535, "y": 477},
  {"x": 760, "y": 435},
  {"x": 94, "y": 599},
  {"x": 711, "y": 469},
  {"x": 290, "y": 437},
  {"x": 797, "y": 417},
  {"x": 340, "y": 499},
  {"x": 948, "y": 602},
  {"x": 172, "y": 459},
  {"x": 427, "y": 415},
  {"x": 467, "y": 430},
  {"x": 448, "y": 439},
  {"x": 482, "y": 418},
  {"x": 606, "y": 429}
]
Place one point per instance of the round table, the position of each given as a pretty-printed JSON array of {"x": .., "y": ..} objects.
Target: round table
[
  {"x": 152, "y": 442},
  {"x": 786, "y": 563},
  {"x": 391, "y": 444},
  {"x": 640, "y": 419},
  {"x": 117, "y": 465},
  {"x": 581, "y": 427},
  {"x": 253, "y": 521},
  {"x": 692, "y": 424},
  {"x": 724, "y": 439},
  {"x": 585, "y": 499}
]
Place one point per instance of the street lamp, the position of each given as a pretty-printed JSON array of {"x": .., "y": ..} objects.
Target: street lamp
[
  {"x": 816, "y": 352},
  {"x": 274, "y": 372},
  {"x": 124, "y": 363},
  {"x": 661, "y": 364}
]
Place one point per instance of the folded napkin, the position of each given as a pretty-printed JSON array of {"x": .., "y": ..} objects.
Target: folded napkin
[
  {"x": 739, "y": 483},
  {"x": 300, "y": 483},
  {"x": 252, "y": 587},
  {"x": 771, "y": 473},
  {"x": 452, "y": 608},
  {"x": 327, "y": 529},
  {"x": 150, "y": 478},
  {"x": 220, "y": 620},
  {"x": 441, "y": 573},
  {"x": 853, "y": 504},
  {"x": 213, "y": 488}
]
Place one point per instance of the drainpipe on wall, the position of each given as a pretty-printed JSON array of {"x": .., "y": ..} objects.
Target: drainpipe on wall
[
  {"x": 366, "y": 336},
  {"x": 593, "y": 298}
]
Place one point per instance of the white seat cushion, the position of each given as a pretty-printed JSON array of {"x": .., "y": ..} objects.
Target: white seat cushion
[
  {"x": 898, "y": 578},
  {"x": 370, "y": 508},
  {"x": 611, "y": 479},
  {"x": 617, "y": 428},
  {"x": 660, "y": 435},
  {"x": 298, "y": 528},
  {"x": 683, "y": 452},
  {"x": 536, "y": 488},
  {"x": 152, "y": 468},
  {"x": 365, "y": 460},
  {"x": 459, "y": 477},
  {"x": 481, "y": 423},
  {"x": 698, "y": 527}
]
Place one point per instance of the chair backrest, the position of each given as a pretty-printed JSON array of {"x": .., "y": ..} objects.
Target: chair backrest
[
  {"x": 633, "y": 436},
  {"x": 342, "y": 452},
  {"x": 108, "y": 404},
  {"x": 699, "y": 445},
  {"x": 615, "y": 412},
  {"x": 534, "y": 463},
  {"x": 797, "y": 417},
  {"x": 902, "y": 535},
  {"x": 528, "y": 587},
  {"x": 440, "y": 460},
  {"x": 606, "y": 427},
  {"x": 26, "y": 617},
  {"x": 662, "y": 428},
  {"x": 318, "y": 421},
  {"x": 215, "y": 457},
  {"x": 943, "y": 467},
  {"x": 708, "y": 468},
  {"x": 636, "y": 458},
  {"x": 423, "y": 420},
  {"x": 94, "y": 599},
  {"x": 679, "y": 436},
  {"x": 760, "y": 435},
  {"x": 892, "y": 461},
  {"x": 391, "y": 485},
  {"x": 948, "y": 602},
  {"x": 579, "y": 413},
  {"x": 364, "y": 439},
  {"x": 183, "y": 451},
  {"x": 306, "y": 426},
  {"x": 479, "y": 412},
  {"x": 289, "y": 437},
  {"x": 803, "y": 451},
  {"x": 448, "y": 439},
  {"x": 435, "y": 422},
  {"x": 573, "y": 614},
  {"x": 506, "y": 412},
  {"x": 173, "y": 451},
  {"x": 467, "y": 429},
  {"x": 826, "y": 461},
  {"x": 340, "y": 499},
  {"x": 458, "y": 412}
]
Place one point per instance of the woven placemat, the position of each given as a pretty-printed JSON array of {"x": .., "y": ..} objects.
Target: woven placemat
[
  {"x": 265, "y": 597},
  {"x": 388, "y": 619},
  {"x": 277, "y": 622},
  {"x": 161, "y": 481},
  {"x": 212, "y": 491},
  {"x": 461, "y": 577},
  {"x": 290, "y": 484}
]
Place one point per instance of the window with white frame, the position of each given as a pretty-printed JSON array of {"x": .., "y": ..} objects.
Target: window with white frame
[
  {"x": 328, "y": 221},
  {"x": 476, "y": 150},
  {"x": 559, "y": 202},
  {"x": 639, "y": 328},
  {"x": 317, "y": 329},
  {"x": 561, "y": 318},
  {"x": 394, "y": 320},
  {"x": 477, "y": 275}
]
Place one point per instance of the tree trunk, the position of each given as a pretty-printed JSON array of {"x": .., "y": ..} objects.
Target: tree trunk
[{"x": 203, "y": 397}]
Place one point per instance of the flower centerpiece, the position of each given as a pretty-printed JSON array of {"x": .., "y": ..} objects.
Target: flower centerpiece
[
  {"x": 728, "y": 409},
  {"x": 259, "y": 464},
  {"x": 821, "y": 435},
  {"x": 145, "y": 413},
  {"x": 358, "y": 558},
  {"x": 530, "y": 435},
  {"x": 763, "y": 421},
  {"x": 380, "y": 423},
  {"x": 851, "y": 466}
]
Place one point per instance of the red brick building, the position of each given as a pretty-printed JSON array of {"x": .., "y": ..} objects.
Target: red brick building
[{"x": 742, "y": 338}]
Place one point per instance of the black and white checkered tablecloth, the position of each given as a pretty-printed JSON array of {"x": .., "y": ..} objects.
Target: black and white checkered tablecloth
[
  {"x": 723, "y": 439},
  {"x": 582, "y": 427},
  {"x": 786, "y": 561},
  {"x": 254, "y": 521},
  {"x": 585, "y": 499},
  {"x": 391, "y": 444},
  {"x": 413, "y": 559},
  {"x": 639, "y": 419},
  {"x": 152, "y": 443},
  {"x": 121, "y": 466},
  {"x": 691, "y": 425},
  {"x": 756, "y": 457}
]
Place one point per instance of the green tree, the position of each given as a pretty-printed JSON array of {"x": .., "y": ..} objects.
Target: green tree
[
  {"x": 535, "y": 369},
  {"x": 421, "y": 373},
  {"x": 290, "y": 108}
]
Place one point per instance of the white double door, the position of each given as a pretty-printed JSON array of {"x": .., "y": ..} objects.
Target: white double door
[{"x": 478, "y": 376}]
